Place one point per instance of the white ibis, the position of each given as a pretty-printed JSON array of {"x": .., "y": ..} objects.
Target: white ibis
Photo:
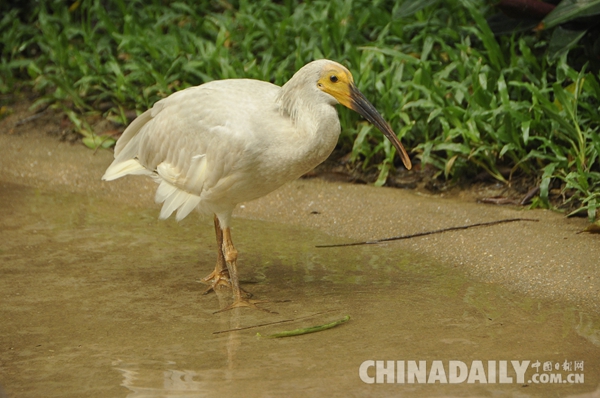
[{"x": 213, "y": 146}]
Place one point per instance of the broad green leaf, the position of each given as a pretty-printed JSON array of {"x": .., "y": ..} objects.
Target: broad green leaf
[
  {"x": 562, "y": 41},
  {"x": 384, "y": 170},
  {"x": 567, "y": 10}
]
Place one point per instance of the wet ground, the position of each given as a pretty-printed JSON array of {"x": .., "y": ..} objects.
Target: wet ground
[{"x": 100, "y": 299}]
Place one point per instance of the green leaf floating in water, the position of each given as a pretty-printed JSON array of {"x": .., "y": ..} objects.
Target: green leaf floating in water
[{"x": 312, "y": 329}]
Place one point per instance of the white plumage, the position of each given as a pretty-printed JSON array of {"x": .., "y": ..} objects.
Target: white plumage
[{"x": 213, "y": 146}]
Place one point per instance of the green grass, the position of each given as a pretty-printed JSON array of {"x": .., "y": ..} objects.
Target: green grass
[{"x": 464, "y": 100}]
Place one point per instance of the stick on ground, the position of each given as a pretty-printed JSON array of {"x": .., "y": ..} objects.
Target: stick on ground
[{"x": 437, "y": 231}]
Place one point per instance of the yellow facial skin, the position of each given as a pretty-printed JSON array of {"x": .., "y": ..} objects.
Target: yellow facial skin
[{"x": 338, "y": 82}]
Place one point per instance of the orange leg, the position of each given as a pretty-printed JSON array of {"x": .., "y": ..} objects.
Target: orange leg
[
  {"x": 220, "y": 276},
  {"x": 230, "y": 255}
]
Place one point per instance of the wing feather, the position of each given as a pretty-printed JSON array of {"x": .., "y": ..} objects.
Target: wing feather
[{"x": 194, "y": 140}]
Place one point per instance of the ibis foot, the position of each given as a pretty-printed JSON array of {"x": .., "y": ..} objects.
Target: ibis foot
[
  {"x": 215, "y": 279},
  {"x": 220, "y": 279}
]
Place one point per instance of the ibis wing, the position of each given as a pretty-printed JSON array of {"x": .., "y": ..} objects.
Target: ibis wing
[{"x": 195, "y": 140}]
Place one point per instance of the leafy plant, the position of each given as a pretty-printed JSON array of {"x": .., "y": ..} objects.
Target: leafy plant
[
  {"x": 465, "y": 100},
  {"x": 569, "y": 21}
]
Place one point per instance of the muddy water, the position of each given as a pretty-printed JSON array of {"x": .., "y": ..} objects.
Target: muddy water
[{"x": 103, "y": 300}]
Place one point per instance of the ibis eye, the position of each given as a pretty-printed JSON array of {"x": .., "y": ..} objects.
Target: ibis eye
[{"x": 333, "y": 78}]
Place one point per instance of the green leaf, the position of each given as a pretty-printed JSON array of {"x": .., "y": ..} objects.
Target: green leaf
[
  {"x": 525, "y": 125},
  {"x": 487, "y": 37},
  {"x": 312, "y": 329},
  {"x": 592, "y": 209},
  {"x": 452, "y": 147},
  {"x": 393, "y": 53},
  {"x": 95, "y": 141},
  {"x": 384, "y": 170},
  {"x": 562, "y": 41},
  {"x": 545, "y": 184},
  {"x": 410, "y": 7},
  {"x": 564, "y": 100},
  {"x": 568, "y": 10}
]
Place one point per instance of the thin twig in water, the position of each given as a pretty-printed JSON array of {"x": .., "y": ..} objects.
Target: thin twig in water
[
  {"x": 437, "y": 231},
  {"x": 271, "y": 323}
]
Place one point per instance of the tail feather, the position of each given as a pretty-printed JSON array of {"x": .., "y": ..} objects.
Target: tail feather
[
  {"x": 120, "y": 169},
  {"x": 173, "y": 197},
  {"x": 176, "y": 199},
  {"x": 126, "y": 152},
  {"x": 164, "y": 190},
  {"x": 191, "y": 203}
]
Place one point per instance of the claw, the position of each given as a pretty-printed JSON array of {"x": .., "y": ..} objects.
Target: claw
[{"x": 215, "y": 279}]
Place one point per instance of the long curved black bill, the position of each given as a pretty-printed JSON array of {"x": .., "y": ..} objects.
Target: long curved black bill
[{"x": 362, "y": 105}]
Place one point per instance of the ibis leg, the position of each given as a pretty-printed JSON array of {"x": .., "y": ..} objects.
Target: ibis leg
[
  {"x": 230, "y": 254},
  {"x": 220, "y": 276}
]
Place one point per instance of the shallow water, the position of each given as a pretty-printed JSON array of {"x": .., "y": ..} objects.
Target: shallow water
[{"x": 103, "y": 300}]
